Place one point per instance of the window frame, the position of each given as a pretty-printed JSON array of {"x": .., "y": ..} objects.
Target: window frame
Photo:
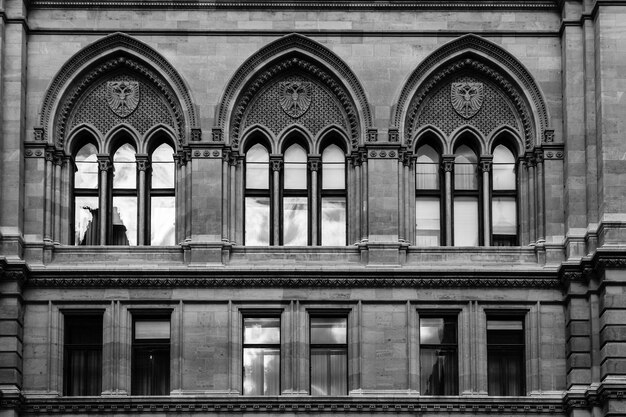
[
  {"x": 84, "y": 192},
  {"x": 440, "y": 314},
  {"x": 344, "y": 346},
  {"x": 493, "y": 193},
  {"x": 285, "y": 193},
  {"x": 473, "y": 193},
  {"x": 324, "y": 193},
  {"x": 439, "y": 192},
  {"x": 261, "y": 314},
  {"x": 521, "y": 349},
  {"x": 151, "y": 315}
]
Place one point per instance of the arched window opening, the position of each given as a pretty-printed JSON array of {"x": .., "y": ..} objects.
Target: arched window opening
[
  {"x": 295, "y": 197},
  {"x": 333, "y": 197},
  {"x": 86, "y": 203},
  {"x": 257, "y": 197},
  {"x": 124, "y": 213},
  {"x": 466, "y": 198},
  {"x": 504, "y": 198},
  {"x": 427, "y": 197},
  {"x": 162, "y": 197}
]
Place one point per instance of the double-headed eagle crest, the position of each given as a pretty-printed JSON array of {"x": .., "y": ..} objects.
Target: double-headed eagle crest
[
  {"x": 122, "y": 96},
  {"x": 295, "y": 97},
  {"x": 467, "y": 98}
]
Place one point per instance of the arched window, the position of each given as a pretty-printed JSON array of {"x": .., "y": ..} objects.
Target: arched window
[
  {"x": 124, "y": 212},
  {"x": 504, "y": 198},
  {"x": 162, "y": 197},
  {"x": 257, "y": 197},
  {"x": 295, "y": 201},
  {"x": 466, "y": 198},
  {"x": 86, "y": 203},
  {"x": 427, "y": 197},
  {"x": 333, "y": 197}
]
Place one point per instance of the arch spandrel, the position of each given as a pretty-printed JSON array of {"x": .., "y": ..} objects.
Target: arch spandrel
[
  {"x": 293, "y": 54},
  {"x": 117, "y": 52},
  {"x": 471, "y": 54}
]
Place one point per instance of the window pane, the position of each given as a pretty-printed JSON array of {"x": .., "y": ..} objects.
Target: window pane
[
  {"x": 504, "y": 216},
  {"x": 125, "y": 167},
  {"x": 261, "y": 373},
  {"x": 329, "y": 330},
  {"x": 162, "y": 218},
  {"x": 124, "y": 221},
  {"x": 504, "y": 176},
  {"x": 295, "y": 168},
  {"x": 427, "y": 169},
  {"x": 86, "y": 161},
  {"x": 427, "y": 221},
  {"x": 83, "y": 355},
  {"x": 329, "y": 371},
  {"x": 259, "y": 330},
  {"x": 333, "y": 221},
  {"x": 295, "y": 221},
  {"x": 163, "y": 167},
  {"x": 152, "y": 329},
  {"x": 465, "y": 221},
  {"x": 436, "y": 331},
  {"x": 151, "y": 370},
  {"x": 438, "y": 371},
  {"x": 333, "y": 168},
  {"x": 257, "y": 168},
  {"x": 257, "y": 221},
  {"x": 465, "y": 164},
  {"x": 86, "y": 221},
  {"x": 505, "y": 372}
]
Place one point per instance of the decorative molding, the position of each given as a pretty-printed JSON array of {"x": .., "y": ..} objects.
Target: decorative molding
[
  {"x": 372, "y": 135},
  {"x": 38, "y": 133},
  {"x": 485, "y": 163},
  {"x": 447, "y": 163},
  {"x": 196, "y": 134},
  {"x": 551, "y": 154},
  {"x": 303, "y": 4},
  {"x": 305, "y": 46},
  {"x": 267, "y": 76},
  {"x": 212, "y": 153},
  {"x": 393, "y": 134},
  {"x": 314, "y": 162},
  {"x": 104, "y": 163},
  {"x": 217, "y": 134},
  {"x": 468, "y": 44},
  {"x": 548, "y": 135},
  {"x": 143, "y": 162},
  {"x": 383, "y": 154},
  {"x": 114, "y": 43}
]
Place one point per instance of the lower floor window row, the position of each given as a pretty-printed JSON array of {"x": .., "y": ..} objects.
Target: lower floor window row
[{"x": 261, "y": 355}]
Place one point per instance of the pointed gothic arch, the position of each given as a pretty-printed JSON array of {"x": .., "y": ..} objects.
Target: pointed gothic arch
[
  {"x": 293, "y": 52},
  {"x": 111, "y": 53},
  {"x": 480, "y": 56}
]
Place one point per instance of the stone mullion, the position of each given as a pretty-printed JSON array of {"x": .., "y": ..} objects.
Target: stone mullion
[
  {"x": 314, "y": 165},
  {"x": 541, "y": 228},
  {"x": 225, "y": 188},
  {"x": 188, "y": 194},
  {"x": 522, "y": 202},
  {"x": 58, "y": 175},
  {"x": 66, "y": 209},
  {"x": 532, "y": 192},
  {"x": 276, "y": 162},
  {"x": 143, "y": 165},
  {"x": 358, "y": 198},
  {"x": 364, "y": 198},
  {"x": 448, "y": 169},
  {"x": 104, "y": 166},
  {"x": 401, "y": 203},
  {"x": 239, "y": 200},
  {"x": 485, "y": 166},
  {"x": 232, "y": 192},
  {"x": 178, "y": 198},
  {"x": 410, "y": 198}
]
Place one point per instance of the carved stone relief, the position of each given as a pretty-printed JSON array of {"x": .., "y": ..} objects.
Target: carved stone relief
[
  {"x": 295, "y": 97},
  {"x": 467, "y": 98},
  {"x": 122, "y": 97}
]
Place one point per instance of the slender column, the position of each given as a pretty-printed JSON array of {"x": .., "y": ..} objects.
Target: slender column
[
  {"x": 277, "y": 165},
  {"x": 314, "y": 166},
  {"x": 188, "y": 193},
  {"x": 485, "y": 166},
  {"x": 448, "y": 169},
  {"x": 401, "y": 203},
  {"x": 49, "y": 194},
  {"x": 104, "y": 165},
  {"x": 358, "y": 199},
  {"x": 523, "y": 206},
  {"x": 541, "y": 230},
  {"x": 410, "y": 193},
  {"x": 178, "y": 197},
  {"x": 67, "y": 172},
  {"x": 59, "y": 160},
  {"x": 364, "y": 196},
  {"x": 225, "y": 159},
  {"x": 143, "y": 164},
  {"x": 239, "y": 200},
  {"x": 532, "y": 192},
  {"x": 232, "y": 214}
]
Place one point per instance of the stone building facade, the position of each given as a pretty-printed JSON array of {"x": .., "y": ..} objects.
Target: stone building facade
[{"x": 313, "y": 207}]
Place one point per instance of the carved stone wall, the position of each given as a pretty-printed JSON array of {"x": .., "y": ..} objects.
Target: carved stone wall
[
  {"x": 94, "y": 109},
  {"x": 322, "y": 111},
  {"x": 494, "y": 112}
]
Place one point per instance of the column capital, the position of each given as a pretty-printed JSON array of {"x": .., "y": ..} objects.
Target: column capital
[
  {"x": 143, "y": 162},
  {"x": 104, "y": 162},
  {"x": 314, "y": 162},
  {"x": 276, "y": 161},
  {"x": 486, "y": 162},
  {"x": 447, "y": 162}
]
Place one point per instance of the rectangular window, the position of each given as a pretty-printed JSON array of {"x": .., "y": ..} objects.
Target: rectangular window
[
  {"x": 505, "y": 356},
  {"x": 82, "y": 370},
  {"x": 439, "y": 369},
  {"x": 329, "y": 355},
  {"x": 151, "y": 356},
  {"x": 261, "y": 355}
]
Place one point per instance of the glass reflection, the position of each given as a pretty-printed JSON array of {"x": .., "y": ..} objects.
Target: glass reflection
[
  {"x": 86, "y": 161},
  {"x": 503, "y": 169},
  {"x": 427, "y": 221},
  {"x": 162, "y": 219},
  {"x": 257, "y": 168},
  {"x": 125, "y": 172},
  {"x": 466, "y": 221},
  {"x": 437, "y": 330},
  {"x": 257, "y": 221},
  {"x": 163, "y": 167},
  {"x": 261, "y": 330},
  {"x": 329, "y": 371},
  {"x": 504, "y": 215},
  {"x": 261, "y": 371},
  {"x": 465, "y": 165},
  {"x": 333, "y": 221},
  {"x": 427, "y": 169},
  {"x": 329, "y": 330},
  {"x": 295, "y": 169},
  {"x": 86, "y": 221},
  {"x": 438, "y": 356},
  {"x": 295, "y": 221},
  {"x": 333, "y": 168},
  {"x": 124, "y": 219}
]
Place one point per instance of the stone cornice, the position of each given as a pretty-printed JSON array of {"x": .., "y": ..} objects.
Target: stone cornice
[{"x": 302, "y": 4}]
